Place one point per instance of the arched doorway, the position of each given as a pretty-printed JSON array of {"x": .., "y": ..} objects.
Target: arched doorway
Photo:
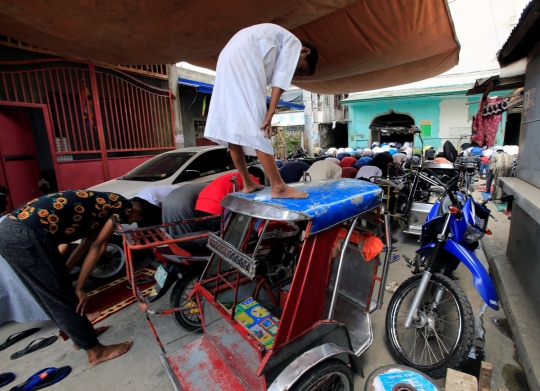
[{"x": 389, "y": 121}]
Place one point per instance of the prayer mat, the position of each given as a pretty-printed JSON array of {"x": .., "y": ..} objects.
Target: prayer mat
[{"x": 115, "y": 296}]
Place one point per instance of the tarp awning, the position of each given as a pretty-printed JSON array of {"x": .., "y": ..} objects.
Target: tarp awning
[
  {"x": 363, "y": 44},
  {"x": 207, "y": 88}
]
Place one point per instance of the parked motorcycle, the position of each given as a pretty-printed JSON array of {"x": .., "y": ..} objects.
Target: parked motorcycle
[{"x": 429, "y": 323}]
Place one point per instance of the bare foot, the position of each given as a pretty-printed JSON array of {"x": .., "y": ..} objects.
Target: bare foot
[
  {"x": 101, "y": 353},
  {"x": 287, "y": 192},
  {"x": 99, "y": 330},
  {"x": 251, "y": 187},
  {"x": 93, "y": 316}
]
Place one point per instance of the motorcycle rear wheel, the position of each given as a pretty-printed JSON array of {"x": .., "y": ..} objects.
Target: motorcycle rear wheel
[
  {"x": 188, "y": 320},
  {"x": 441, "y": 338}
]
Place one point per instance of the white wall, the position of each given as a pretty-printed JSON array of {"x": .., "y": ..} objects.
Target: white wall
[{"x": 453, "y": 115}]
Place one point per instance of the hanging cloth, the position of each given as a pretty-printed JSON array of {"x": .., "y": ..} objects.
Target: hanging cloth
[{"x": 484, "y": 129}]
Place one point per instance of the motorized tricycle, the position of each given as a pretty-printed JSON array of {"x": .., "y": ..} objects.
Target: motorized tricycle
[{"x": 286, "y": 298}]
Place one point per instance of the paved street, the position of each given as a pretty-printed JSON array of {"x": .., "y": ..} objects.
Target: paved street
[{"x": 141, "y": 370}]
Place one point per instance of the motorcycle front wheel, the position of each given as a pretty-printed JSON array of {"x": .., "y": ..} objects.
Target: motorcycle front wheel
[{"x": 442, "y": 334}]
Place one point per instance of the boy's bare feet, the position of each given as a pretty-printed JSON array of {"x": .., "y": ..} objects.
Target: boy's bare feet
[
  {"x": 286, "y": 191},
  {"x": 251, "y": 187},
  {"x": 101, "y": 353},
  {"x": 99, "y": 330}
]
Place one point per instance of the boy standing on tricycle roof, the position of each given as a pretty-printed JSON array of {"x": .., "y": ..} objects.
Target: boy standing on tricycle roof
[{"x": 254, "y": 58}]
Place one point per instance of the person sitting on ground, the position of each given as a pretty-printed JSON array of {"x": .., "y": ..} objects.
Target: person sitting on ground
[
  {"x": 367, "y": 173},
  {"x": 29, "y": 240},
  {"x": 358, "y": 153},
  {"x": 382, "y": 160},
  {"x": 347, "y": 162},
  {"x": 342, "y": 155},
  {"x": 317, "y": 151},
  {"x": 414, "y": 160},
  {"x": 367, "y": 153},
  {"x": 363, "y": 161},
  {"x": 293, "y": 171},
  {"x": 399, "y": 159},
  {"x": 323, "y": 169},
  {"x": 349, "y": 172},
  {"x": 255, "y": 57},
  {"x": 331, "y": 152}
]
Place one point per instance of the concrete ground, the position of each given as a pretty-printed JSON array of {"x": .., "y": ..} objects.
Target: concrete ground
[{"x": 140, "y": 369}]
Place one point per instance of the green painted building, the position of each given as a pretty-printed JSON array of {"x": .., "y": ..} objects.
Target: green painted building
[{"x": 441, "y": 113}]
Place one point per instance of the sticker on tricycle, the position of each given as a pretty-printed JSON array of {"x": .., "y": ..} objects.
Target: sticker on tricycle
[
  {"x": 258, "y": 321},
  {"x": 161, "y": 276}
]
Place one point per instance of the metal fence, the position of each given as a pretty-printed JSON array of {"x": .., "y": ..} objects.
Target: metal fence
[{"x": 94, "y": 111}]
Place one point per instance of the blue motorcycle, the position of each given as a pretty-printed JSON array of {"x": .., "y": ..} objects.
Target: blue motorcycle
[{"x": 430, "y": 323}]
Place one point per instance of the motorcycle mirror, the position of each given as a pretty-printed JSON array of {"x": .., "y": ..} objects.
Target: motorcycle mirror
[{"x": 450, "y": 152}]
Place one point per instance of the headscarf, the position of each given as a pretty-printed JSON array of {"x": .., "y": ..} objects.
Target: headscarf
[
  {"x": 332, "y": 159},
  {"x": 358, "y": 153},
  {"x": 323, "y": 169},
  {"x": 340, "y": 150},
  {"x": 342, "y": 155},
  {"x": 347, "y": 162},
  {"x": 392, "y": 151},
  {"x": 363, "y": 161},
  {"x": 375, "y": 144},
  {"x": 317, "y": 150},
  {"x": 331, "y": 151},
  {"x": 367, "y": 153},
  {"x": 350, "y": 151}
]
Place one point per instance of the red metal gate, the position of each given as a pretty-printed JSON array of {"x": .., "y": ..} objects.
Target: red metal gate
[{"x": 100, "y": 122}]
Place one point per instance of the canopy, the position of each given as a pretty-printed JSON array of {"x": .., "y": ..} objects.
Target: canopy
[{"x": 363, "y": 44}]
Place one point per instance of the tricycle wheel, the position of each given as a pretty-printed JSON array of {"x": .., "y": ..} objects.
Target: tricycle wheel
[
  {"x": 112, "y": 263},
  {"x": 331, "y": 375},
  {"x": 188, "y": 320}
]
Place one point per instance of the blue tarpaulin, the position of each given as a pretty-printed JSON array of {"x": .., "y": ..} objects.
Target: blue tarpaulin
[{"x": 207, "y": 88}]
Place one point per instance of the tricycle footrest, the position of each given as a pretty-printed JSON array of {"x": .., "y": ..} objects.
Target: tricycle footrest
[{"x": 199, "y": 366}]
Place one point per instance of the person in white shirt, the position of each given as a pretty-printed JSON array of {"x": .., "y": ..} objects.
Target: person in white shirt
[
  {"x": 156, "y": 194},
  {"x": 367, "y": 172},
  {"x": 255, "y": 57},
  {"x": 323, "y": 169}
]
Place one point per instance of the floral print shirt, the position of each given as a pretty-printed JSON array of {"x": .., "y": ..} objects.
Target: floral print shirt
[{"x": 73, "y": 214}]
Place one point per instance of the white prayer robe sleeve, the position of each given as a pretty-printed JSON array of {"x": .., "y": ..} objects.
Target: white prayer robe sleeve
[{"x": 286, "y": 63}]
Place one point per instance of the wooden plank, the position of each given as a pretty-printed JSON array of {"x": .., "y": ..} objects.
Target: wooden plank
[
  {"x": 459, "y": 381},
  {"x": 485, "y": 375}
]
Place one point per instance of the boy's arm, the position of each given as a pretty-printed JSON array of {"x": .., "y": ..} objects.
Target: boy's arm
[{"x": 274, "y": 99}]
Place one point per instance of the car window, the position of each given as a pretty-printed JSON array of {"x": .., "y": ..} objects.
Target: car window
[
  {"x": 159, "y": 167},
  {"x": 208, "y": 163}
]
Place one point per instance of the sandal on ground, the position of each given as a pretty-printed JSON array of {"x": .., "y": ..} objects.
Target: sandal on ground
[
  {"x": 394, "y": 248},
  {"x": 392, "y": 287},
  {"x": 44, "y": 378},
  {"x": 36, "y": 344},
  {"x": 6, "y": 378},
  {"x": 14, "y": 338},
  {"x": 394, "y": 258}
]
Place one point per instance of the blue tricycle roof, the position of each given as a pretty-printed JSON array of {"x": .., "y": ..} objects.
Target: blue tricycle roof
[{"x": 330, "y": 202}]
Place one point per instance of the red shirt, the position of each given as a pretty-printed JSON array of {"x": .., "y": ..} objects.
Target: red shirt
[
  {"x": 209, "y": 199},
  {"x": 349, "y": 172}
]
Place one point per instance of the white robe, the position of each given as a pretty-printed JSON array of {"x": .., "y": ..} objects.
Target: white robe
[{"x": 254, "y": 58}]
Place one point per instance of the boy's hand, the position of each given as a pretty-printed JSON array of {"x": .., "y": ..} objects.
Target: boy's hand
[{"x": 267, "y": 128}]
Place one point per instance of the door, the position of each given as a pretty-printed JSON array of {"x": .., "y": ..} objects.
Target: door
[{"x": 20, "y": 166}]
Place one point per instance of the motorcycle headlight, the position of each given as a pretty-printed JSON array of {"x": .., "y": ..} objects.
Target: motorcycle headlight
[{"x": 472, "y": 234}]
